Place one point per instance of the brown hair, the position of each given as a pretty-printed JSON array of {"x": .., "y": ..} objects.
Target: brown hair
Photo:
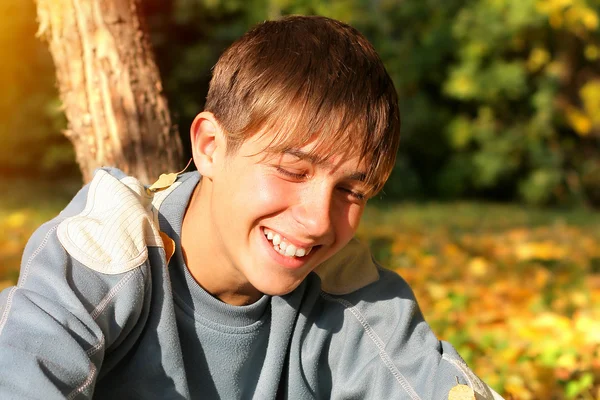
[{"x": 308, "y": 78}]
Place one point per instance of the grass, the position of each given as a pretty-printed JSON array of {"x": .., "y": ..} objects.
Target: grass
[{"x": 475, "y": 216}]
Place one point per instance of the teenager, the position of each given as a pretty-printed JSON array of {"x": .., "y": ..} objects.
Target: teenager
[{"x": 240, "y": 280}]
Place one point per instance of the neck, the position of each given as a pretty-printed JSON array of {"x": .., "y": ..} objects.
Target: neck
[{"x": 205, "y": 261}]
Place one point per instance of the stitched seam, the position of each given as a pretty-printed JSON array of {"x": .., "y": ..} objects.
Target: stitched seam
[
  {"x": 93, "y": 350},
  {"x": 110, "y": 295},
  {"x": 378, "y": 343},
  {"x": 34, "y": 254},
  {"x": 459, "y": 367},
  {"x": 23, "y": 278},
  {"x": 85, "y": 384},
  {"x": 7, "y": 309}
]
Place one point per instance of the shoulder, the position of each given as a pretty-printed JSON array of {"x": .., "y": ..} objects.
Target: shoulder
[
  {"x": 385, "y": 309},
  {"x": 380, "y": 330},
  {"x": 73, "y": 269},
  {"x": 99, "y": 241}
]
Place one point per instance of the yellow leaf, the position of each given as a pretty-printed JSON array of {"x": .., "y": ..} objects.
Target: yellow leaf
[
  {"x": 545, "y": 250},
  {"x": 537, "y": 59},
  {"x": 16, "y": 220},
  {"x": 166, "y": 180},
  {"x": 567, "y": 361},
  {"x": 588, "y": 328},
  {"x": 590, "y": 97},
  {"x": 478, "y": 266},
  {"x": 437, "y": 291},
  {"x": 579, "y": 121},
  {"x": 461, "y": 392},
  {"x": 163, "y": 182},
  {"x": 589, "y": 19}
]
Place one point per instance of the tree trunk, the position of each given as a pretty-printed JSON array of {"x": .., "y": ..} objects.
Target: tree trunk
[{"x": 110, "y": 87}]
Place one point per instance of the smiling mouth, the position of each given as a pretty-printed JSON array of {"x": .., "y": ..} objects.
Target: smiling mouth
[{"x": 283, "y": 247}]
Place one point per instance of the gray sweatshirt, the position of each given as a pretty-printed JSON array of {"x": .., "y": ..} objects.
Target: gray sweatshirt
[{"x": 105, "y": 308}]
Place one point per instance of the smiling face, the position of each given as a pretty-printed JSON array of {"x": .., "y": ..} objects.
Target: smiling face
[{"x": 261, "y": 222}]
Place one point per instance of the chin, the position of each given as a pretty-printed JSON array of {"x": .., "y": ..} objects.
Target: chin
[{"x": 278, "y": 289}]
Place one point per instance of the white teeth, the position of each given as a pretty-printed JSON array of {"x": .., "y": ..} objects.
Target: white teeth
[
  {"x": 284, "y": 248},
  {"x": 276, "y": 239},
  {"x": 290, "y": 250}
]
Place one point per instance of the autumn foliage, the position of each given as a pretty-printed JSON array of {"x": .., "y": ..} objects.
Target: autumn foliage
[{"x": 516, "y": 291}]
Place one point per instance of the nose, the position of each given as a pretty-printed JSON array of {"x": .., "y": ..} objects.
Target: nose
[{"x": 314, "y": 211}]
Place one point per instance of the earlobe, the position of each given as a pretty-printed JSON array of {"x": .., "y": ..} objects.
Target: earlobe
[{"x": 205, "y": 134}]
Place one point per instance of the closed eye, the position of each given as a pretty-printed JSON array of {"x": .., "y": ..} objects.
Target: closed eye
[
  {"x": 355, "y": 196},
  {"x": 358, "y": 196},
  {"x": 291, "y": 174}
]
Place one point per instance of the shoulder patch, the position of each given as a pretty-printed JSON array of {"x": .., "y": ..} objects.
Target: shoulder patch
[
  {"x": 112, "y": 233},
  {"x": 352, "y": 268}
]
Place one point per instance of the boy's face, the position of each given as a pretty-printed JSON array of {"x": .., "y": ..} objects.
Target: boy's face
[{"x": 273, "y": 218}]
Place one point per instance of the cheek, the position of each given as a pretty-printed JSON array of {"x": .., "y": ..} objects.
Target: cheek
[{"x": 270, "y": 193}]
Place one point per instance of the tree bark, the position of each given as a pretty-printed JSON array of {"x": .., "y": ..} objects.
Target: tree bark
[{"x": 110, "y": 87}]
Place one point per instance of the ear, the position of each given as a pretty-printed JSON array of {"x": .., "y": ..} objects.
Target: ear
[{"x": 207, "y": 141}]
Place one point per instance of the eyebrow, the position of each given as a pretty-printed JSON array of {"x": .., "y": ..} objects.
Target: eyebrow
[
  {"x": 302, "y": 155},
  {"x": 358, "y": 176},
  {"x": 316, "y": 160}
]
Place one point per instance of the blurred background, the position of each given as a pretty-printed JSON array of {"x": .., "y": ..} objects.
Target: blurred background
[{"x": 491, "y": 211}]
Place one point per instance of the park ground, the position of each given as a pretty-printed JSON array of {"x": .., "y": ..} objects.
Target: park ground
[{"x": 515, "y": 289}]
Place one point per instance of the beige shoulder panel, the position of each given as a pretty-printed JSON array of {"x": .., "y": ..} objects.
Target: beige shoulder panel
[
  {"x": 112, "y": 233},
  {"x": 350, "y": 269}
]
